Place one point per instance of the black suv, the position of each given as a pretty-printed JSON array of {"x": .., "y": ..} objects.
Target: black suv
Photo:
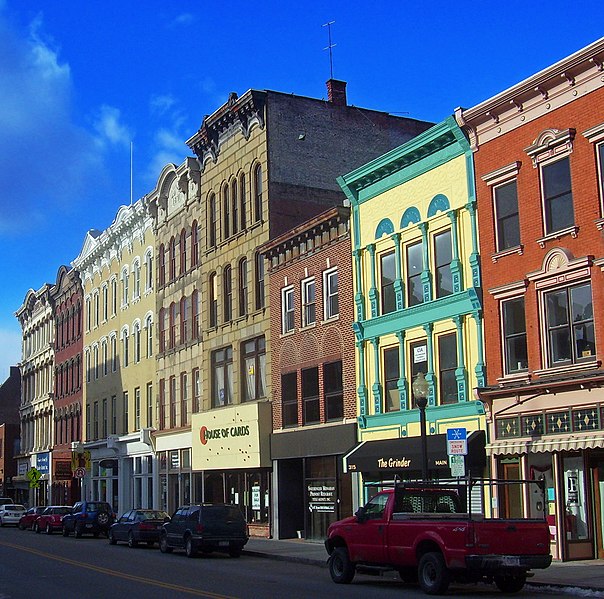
[
  {"x": 206, "y": 527},
  {"x": 88, "y": 517}
]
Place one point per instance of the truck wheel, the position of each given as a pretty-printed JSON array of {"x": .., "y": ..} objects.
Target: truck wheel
[
  {"x": 190, "y": 549},
  {"x": 65, "y": 532},
  {"x": 78, "y": 530},
  {"x": 432, "y": 573},
  {"x": 511, "y": 583},
  {"x": 163, "y": 544},
  {"x": 341, "y": 568}
]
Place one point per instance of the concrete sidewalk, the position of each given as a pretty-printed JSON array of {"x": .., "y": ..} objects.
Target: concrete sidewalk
[{"x": 580, "y": 574}]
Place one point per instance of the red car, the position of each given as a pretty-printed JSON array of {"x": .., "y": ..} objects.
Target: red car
[
  {"x": 51, "y": 519},
  {"x": 30, "y": 516}
]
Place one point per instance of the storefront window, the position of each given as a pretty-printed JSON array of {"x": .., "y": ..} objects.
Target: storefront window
[{"x": 574, "y": 499}]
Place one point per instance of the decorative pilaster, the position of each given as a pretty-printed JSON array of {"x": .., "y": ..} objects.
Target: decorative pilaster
[
  {"x": 402, "y": 379},
  {"x": 460, "y": 371},
  {"x": 428, "y": 328},
  {"x": 399, "y": 291},
  {"x": 373, "y": 294},
  {"x": 480, "y": 370},
  {"x": 474, "y": 256},
  {"x": 359, "y": 299},
  {"x": 426, "y": 275},
  {"x": 376, "y": 388},
  {"x": 362, "y": 388},
  {"x": 455, "y": 262}
]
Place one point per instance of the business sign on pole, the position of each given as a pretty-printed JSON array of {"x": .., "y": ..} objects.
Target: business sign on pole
[
  {"x": 457, "y": 441},
  {"x": 457, "y": 463}
]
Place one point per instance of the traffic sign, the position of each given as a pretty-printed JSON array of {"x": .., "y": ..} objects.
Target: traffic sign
[
  {"x": 34, "y": 475},
  {"x": 457, "y": 441},
  {"x": 457, "y": 463},
  {"x": 80, "y": 472}
]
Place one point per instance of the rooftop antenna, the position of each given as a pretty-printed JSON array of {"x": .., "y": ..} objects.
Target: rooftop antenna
[
  {"x": 329, "y": 47},
  {"x": 131, "y": 167}
]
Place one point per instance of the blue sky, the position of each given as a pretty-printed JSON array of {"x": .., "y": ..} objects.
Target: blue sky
[{"x": 80, "y": 81}]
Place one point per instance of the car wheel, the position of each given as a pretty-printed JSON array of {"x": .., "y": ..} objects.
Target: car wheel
[
  {"x": 21, "y": 526},
  {"x": 235, "y": 549},
  {"x": 65, "y": 532},
  {"x": 111, "y": 538},
  {"x": 341, "y": 568},
  {"x": 190, "y": 550},
  {"x": 132, "y": 542},
  {"x": 37, "y": 528},
  {"x": 48, "y": 528},
  {"x": 78, "y": 530},
  {"x": 433, "y": 574},
  {"x": 510, "y": 583},
  {"x": 163, "y": 544},
  {"x": 103, "y": 519}
]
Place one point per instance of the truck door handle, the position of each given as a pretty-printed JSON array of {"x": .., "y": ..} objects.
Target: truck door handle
[{"x": 381, "y": 529}]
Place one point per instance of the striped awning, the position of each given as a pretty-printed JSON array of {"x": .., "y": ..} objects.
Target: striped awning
[{"x": 547, "y": 444}]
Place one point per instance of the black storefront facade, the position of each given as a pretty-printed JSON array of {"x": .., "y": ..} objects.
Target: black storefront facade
[
  {"x": 379, "y": 462},
  {"x": 312, "y": 488}
]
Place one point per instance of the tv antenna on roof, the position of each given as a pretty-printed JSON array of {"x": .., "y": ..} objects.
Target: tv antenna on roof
[{"x": 329, "y": 47}]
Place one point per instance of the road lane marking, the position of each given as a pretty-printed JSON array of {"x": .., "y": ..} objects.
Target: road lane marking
[{"x": 131, "y": 577}]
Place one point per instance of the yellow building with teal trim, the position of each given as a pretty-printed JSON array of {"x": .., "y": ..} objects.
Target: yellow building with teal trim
[{"x": 417, "y": 304}]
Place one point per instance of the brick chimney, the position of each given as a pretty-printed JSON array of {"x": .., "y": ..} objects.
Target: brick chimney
[{"x": 336, "y": 92}]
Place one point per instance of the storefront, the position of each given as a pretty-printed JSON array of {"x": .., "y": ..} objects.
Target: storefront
[
  {"x": 231, "y": 460},
  {"x": 380, "y": 461},
  {"x": 65, "y": 489},
  {"x": 312, "y": 490}
]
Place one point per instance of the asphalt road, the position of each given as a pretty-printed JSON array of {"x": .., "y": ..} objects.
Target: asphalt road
[{"x": 33, "y": 565}]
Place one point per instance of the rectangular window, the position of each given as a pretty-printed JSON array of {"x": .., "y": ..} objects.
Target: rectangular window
[
  {"x": 418, "y": 355},
  {"x": 259, "y": 281},
  {"x": 514, "y": 335},
  {"x": 222, "y": 377},
  {"x": 310, "y": 396},
  {"x": 330, "y": 294},
  {"x": 392, "y": 398},
  {"x": 253, "y": 355},
  {"x": 414, "y": 274},
  {"x": 172, "y": 389},
  {"x": 309, "y": 312},
  {"x": 334, "y": 391},
  {"x": 105, "y": 303},
  {"x": 447, "y": 363},
  {"x": 506, "y": 215},
  {"x": 289, "y": 398},
  {"x": 113, "y": 414},
  {"x": 213, "y": 312},
  {"x": 137, "y": 409},
  {"x": 95, "y": 420},
  {"x": 184, "y": 399},
  {"x": 105, "y": 421},
  {"x": 570, "y": 325},
  {"x": 196, "y": 390},
  {"x": 557, "y": 195},
  {"x": 443, "y": 278},
  {"x": 125, "y": 413},
  {"x": 162, "y": 404},
  {"x": 287, "y": 310},
  {"x": 600, "y": 158},
  {"x": 387, "y": 276},
  {"x": 149, "y": 404}
]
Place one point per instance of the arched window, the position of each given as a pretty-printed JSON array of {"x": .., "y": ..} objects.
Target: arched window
[
  {"x": 185, "y": 319},
  {"x": 162, "y": 330},
  {"x": 183, "y": 251},
  {"x": 258, "y": 193},
  {"x": 125, "y": 287},
  {"x": 212, "y": 218},
  {"x": 235, "y": 206},
  {"x": 136, "y": 332},
  {"x": 227, "y": 293},
  {"x": 259, "y": 281},
  {"x": 125, "y": 348},
  {"x": 149, "y": 327},
  {"x": 173, "y": 323},
  {"x": 242, "y": 204},
  {"x": 172, "y": 259},
  {"x": 226, "y": 207},
  {"x": 136, "y": 270},
  {"x": 195, "y": 314},
  {"x": 149, "y": 270},
  {"x": 213, "y": 293},
  {"x": 162, "y": 265},
  {"x": 194, "y": 245},
  {"x": 242, "y": 291}
]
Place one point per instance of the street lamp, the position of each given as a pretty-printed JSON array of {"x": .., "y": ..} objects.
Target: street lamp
[{"x": 421, "y": 388}]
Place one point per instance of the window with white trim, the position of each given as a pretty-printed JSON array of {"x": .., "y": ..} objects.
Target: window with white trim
[
  {"x": 557, "y": 195},
  {"x": 287, "y": 310},
  {"x": 136, "y": 271},
  {"x": 149, "y": 270},
  {"x": 515, "y": 353},
  {"x": 331, "y": 306},
  {"x": 125, "y": 289},
  {"x": 309, "y": 306},
  {"x": 507, "y": 222}
]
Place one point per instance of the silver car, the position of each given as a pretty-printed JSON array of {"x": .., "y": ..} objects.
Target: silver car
[{"x": 11, "y": 513}]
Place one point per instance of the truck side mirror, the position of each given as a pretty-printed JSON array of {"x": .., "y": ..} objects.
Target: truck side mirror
[{"x": 361, "y": 514}]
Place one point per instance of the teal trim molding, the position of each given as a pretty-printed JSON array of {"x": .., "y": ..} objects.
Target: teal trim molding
[
  {"x": 439, "y": 203},
  {"x": 410, "y": 217},
  {"x": 385, "y": 227}
]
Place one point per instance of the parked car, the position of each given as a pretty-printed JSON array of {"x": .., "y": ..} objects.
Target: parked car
[
  {"x": 5, "y": 500},
  {"x": 30, "y": 516},
  {"x": 138, "y": 526},
  {"x": 51, "y": 519},
  {"x": 11, "y": 513},
  {"x": 93, "y": 517},
  {"x": 206, "y": 527}
]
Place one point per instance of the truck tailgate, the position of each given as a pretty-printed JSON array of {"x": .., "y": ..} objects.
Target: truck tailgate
[{"x": 511, "y": 537}]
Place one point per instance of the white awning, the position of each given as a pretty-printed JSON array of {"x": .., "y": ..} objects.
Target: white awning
[{"x": 547, "y": 444}]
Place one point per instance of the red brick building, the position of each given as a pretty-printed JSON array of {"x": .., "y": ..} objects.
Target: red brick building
[
  {"x": 539, "y": 163},
  {"x": 313, "y": 376},
  {"x": 10, "y": 398},
  {"x": 67, "y": 300}
]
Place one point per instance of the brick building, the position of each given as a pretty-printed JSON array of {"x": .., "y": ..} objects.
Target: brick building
[
  {"x": 10, "y": 399},
  {"x": 312, "y": 372},
  {"x": 539, "y": 163}
]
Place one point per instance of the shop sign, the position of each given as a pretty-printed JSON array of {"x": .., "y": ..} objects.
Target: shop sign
[
  {"x": 63, "y": 470},
  {"x": 321, "y": 497},
  {"x": 208, "y": 434},
  {"x": 175, "y": 459},
  {"x": 256, "y": 498},
  {"x": 43, "y": 462},
  {"x": 23, "y": 466}
]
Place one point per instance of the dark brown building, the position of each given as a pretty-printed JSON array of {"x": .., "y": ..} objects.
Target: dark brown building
[{"x": 10, "y": 398}]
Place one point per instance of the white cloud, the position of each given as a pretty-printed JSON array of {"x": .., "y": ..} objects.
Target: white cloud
[
  {"x": 107, "y": 124},
  {"x": 184, "y": 18},
  {"x": 162, "y": 104},
  {"x": 170, "y": 149},
  {"x": 10, "y": 351}
]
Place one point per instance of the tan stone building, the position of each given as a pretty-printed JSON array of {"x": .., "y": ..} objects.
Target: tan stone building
[
  {"x": 267, "y": 161},
  {"x": 117, "y": 271}
]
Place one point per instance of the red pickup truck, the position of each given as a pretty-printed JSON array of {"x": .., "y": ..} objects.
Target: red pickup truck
[{"x": 429, "y": 533}]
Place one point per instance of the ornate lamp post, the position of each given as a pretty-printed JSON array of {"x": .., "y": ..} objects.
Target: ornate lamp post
[{"x": 420, "y": 393}]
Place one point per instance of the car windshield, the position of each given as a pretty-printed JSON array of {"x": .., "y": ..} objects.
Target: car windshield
[
  {"x": 151, "y": 515},
  {"x": 61, "y": 510},
  {"x": 14, "y": 508}
]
